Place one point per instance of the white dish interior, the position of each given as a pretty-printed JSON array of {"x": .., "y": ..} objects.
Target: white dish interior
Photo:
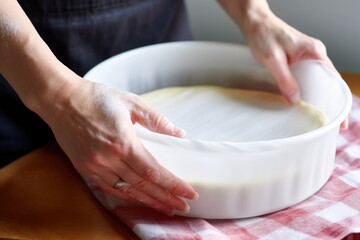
[
  {"x": 235, "y": 179},
  {"x": 218, "y": 114}
]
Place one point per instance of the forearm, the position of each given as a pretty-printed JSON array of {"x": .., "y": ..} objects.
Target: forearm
[{"x": 26, "y": 61}]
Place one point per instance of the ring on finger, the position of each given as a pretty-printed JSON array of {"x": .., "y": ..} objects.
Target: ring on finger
[{"x": 120, "y": 183}]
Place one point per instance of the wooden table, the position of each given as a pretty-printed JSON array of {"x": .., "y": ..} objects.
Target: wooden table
[
  {"x": 353, "y": 81},
  {"x": 42, "y": 197}
]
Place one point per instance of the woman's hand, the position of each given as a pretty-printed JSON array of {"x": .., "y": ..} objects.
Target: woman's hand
[
  {"x": 92, "y": 123},
  {"x": 275, "y": 44},
  {"x": 94, "y": 127}
]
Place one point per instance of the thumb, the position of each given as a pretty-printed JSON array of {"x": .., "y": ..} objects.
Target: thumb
[{"x": 156, "y": 122}]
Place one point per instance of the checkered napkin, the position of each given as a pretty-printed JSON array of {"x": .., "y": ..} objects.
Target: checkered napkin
[{"x": 332, "y": 213}]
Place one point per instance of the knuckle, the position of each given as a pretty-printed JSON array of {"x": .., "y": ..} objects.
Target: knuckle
[
  {"x": 132, "y": 97},
  {"x": 169, "y": 197},
  {"x": 271, "y": 56},
  {"x": 125, "y": 148},
  {"x": 159, "y": 120},
  {"x": 135, "y": 101},
  {"x": 152, "y": 175},
  {"x": 315, "y": 45},
  {"x": 172, "y": 186},
  {"x": 265, "y": 51},
  {"x": 143, "y": 185}
]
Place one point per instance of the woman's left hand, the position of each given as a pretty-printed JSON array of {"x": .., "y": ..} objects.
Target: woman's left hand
[{"x": 275, "y": 44}]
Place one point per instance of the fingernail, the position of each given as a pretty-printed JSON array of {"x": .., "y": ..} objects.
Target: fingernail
[
  {"x": 194, "y": 197},
  {"x": 173, "y": 130},
  {"x": 294, "y": 97},
  {"x": 186, "y": 210},
  {"x": 170, "y": 213},
  {"x": 345, "y": 124},
  {"x": 179, "y": 132}
]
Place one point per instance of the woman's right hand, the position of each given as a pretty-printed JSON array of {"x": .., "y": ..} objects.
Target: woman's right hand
[
  {"x": 92, "y": 123},
  {"x": 94, "y": 126}
]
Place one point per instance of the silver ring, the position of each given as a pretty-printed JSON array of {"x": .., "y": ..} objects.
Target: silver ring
[{"x": 119, "y": 184}]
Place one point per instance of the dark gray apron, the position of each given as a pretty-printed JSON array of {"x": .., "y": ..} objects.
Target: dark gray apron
[{"x": 82, "y": 33}]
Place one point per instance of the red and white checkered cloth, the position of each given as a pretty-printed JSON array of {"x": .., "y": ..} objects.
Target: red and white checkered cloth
[{"x": 332, "y": 213}]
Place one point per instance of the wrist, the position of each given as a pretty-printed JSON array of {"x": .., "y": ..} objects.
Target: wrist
[
  {"x": 52, "y": 96},
  {"x": 254, "y": 13},
  {"x": 44, "y": 84},
  {"x": 247, "y": 14}
]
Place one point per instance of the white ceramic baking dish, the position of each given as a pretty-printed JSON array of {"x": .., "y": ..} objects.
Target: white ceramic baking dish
[{"x": 235, "y": 179}]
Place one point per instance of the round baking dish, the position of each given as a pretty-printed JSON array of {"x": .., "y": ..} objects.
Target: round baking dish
[{"x": 234, "y": 179}]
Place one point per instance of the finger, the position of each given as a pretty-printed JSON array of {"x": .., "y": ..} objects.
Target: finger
[
  {"x": 149, "y": 188},
  {"x": 105, "y": 186},
  {"x": 156, "y": 122},
  {"x": 128, "y": 193},
  {"x": 161, "y": 195},
  {"x": 145, "y": 165},
  {"x": 278, "y": 66},
  {"x": 345, "y": 124}
]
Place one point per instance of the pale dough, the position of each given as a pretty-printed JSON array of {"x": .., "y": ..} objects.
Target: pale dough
[{"x": 214, "y": 113}]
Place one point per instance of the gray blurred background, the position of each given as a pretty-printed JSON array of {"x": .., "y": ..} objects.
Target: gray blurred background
[{"x": 335, "y": 22}]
